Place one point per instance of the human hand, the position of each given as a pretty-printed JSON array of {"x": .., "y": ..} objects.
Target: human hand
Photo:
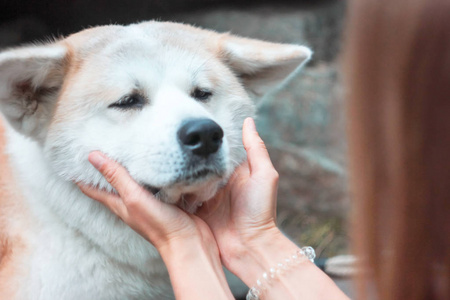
[
  {"x": 159, "y": 223},
  {"x": 185, "y": 242},
  {"x": 242, "y": 216}
]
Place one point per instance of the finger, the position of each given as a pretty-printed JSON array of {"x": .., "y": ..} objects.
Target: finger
[
  {"x": 117, "y": 176},
  {"x": 132, "y": 196},
  {"x": 257, "y": 155},
  {"x": 111, "y": 201}
]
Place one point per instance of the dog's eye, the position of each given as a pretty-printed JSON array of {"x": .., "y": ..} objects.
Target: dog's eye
[
  {"x": 201, "y": 94},
  {"x": 133, "y": 101}
]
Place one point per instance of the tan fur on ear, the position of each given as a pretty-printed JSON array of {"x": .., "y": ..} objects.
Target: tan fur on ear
[
  {"x": 29, "y": 78},
  {"x": 262, "y": 65}
]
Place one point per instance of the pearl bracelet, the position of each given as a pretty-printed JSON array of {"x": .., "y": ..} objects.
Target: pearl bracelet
[{"x": 301, "y": 255}]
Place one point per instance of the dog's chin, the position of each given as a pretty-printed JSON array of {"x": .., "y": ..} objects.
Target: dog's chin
[
  {"x": 190, "y": 192},
  {"x": 190, "y": 202}
]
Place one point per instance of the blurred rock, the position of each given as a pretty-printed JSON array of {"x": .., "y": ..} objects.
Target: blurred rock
[
  {"x": 323, "y": 30},
  {"x": 303, "y": 126},
  {"x": 317, "y": 26}
]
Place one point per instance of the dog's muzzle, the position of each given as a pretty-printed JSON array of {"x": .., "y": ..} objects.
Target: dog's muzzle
[{"x": 200, "y": 141}]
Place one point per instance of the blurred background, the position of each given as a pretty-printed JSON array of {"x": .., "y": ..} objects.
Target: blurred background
[{"x": 301, "y": 122}]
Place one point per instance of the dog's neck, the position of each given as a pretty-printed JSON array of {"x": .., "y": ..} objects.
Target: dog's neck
[{"x": 59, "y": 207}]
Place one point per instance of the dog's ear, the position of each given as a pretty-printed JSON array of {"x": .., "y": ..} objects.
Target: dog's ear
[
  {"x": 262, "y": 65},
  {"x": 30, "y": 79}
]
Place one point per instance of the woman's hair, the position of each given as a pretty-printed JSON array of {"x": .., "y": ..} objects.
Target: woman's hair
[{"x": 397, "y": 64}]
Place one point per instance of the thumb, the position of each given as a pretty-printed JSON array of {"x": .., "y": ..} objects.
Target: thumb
[{"x": 257, "y": 155}]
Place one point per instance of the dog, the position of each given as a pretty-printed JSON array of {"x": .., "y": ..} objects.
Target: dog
[{"x": 166, "y": 100}]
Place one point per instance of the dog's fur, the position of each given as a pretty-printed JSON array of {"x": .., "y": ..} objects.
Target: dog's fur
[{"x": 61, "y": 101}]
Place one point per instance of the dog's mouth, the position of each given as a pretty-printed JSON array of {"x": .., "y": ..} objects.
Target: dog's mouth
[
  {"x": 185, "y": 182},
  {"x": 198, "y": 175},
  {"x": 188, "y": 202}
]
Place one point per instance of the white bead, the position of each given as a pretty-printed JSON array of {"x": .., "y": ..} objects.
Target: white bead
[
  {"x": 288, "y": 262},
  {"x": 261, "y": 285},
  {"x": 280, "y": 269},
  {"x": 257, "y": 291},
  {"x": 309, "y": 253},
  {"x": 296, "y": 259},
  {"x": 253, "y": 294},
  {"x": 273, "y": 273},
  {"x": 266, "y": 277}
]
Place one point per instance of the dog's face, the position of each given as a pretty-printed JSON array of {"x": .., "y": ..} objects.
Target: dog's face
[{"x": 165, "y": 100}]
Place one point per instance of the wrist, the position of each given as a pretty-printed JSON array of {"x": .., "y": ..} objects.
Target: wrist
[
  {"x": 190, "y": 264},
  {"x": 187, "y": 249},
  {"x": 299, "y": 280},
  {"x": 259, "y": 254}
]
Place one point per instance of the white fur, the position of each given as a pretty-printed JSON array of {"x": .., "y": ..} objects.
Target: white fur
[{"x": 80, "y": 249}]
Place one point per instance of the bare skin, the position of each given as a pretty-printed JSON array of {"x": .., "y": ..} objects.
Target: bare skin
[{"x": 237, "y": 229}]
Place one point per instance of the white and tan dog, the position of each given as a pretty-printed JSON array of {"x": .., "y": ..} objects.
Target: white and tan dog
[{"x": 166, "y": 100}]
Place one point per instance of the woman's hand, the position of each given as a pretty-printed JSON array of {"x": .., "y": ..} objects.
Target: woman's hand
[
  {"x": 242, "y": 216},
  {"x": 158, "y": 222},
  {"x": 184, "y": 241},
  {"x": 246, "y": 208}
]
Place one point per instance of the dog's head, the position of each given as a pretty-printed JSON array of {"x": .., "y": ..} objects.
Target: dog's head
[{"x": 165, "y": 100}]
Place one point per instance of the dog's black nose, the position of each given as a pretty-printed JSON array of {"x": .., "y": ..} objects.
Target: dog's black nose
[{"x": 200, "y": 136}]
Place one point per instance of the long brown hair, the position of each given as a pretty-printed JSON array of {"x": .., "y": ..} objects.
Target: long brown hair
[{"x": 397, "y": 64}]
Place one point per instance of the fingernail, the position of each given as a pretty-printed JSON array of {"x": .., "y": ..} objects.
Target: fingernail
[
  {"x": 250, "y": 124},
  {"x": 97, "y": 159}
]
